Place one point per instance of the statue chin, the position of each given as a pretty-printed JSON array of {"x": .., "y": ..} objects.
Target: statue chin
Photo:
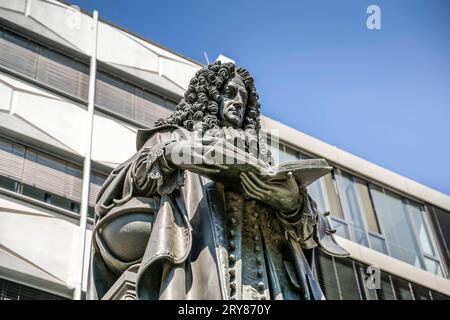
[
  {"x": 127, "y": 236},
  {"x": 232, "y": 121}
]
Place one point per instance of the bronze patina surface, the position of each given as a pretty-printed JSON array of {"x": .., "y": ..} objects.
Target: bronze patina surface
[{"x": 183, "y": 233}]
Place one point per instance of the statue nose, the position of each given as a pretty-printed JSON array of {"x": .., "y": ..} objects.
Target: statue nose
[{"x": 238, "y": 103}]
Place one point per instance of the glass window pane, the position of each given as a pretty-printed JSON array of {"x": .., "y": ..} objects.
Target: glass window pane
[
  {"x": 9, "y": 184},
  {"x": 420, "y": 293},
  {"x": 18, "y": 54},
  {"x": 386, "y": 292},
  {"x": 14, "y": 291},
  {"x": 433, "y": 266},
  {"x": 401, "y": 288},
  {"x": 149, "y": 107},
  {"x": 418, "y": 216},
  {"x": 332, "y": 196},
  {"x": 441, "y": 223},
  {"x": 63, "y": 73},
  {"x": 316, "y": 192},
  {"x": 439, "y": 296},
  {"x": 398, "y": 231},
  {"x": 326, "y": 276},
  {"x": 114, "y": 94},
  {"x": 378, "y": 244},
  {"x": 288, "y": 154},
  {"x": 170, "y": 105},
  {"x": 33, "y": 192},
  {"x": 341, "y": 228},
  {"x": 350, "y": 204},
  {"x": 60, "y": 202},
  {"x": 273, "y": 146},
  {"x": 348, "y": 283},
  {"x": 366, "y": 203}
]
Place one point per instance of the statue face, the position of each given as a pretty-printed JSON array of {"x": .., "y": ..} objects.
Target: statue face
[{"x": 233, "y": 103}]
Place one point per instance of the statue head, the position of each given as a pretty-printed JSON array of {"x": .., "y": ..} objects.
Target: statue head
[{"x": 218, "y": 96}]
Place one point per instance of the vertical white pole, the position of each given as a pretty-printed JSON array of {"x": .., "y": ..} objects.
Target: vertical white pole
[{"x": 87, "y": 160}]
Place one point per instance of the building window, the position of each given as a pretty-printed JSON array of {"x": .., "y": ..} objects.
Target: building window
[
  {"x": 45, "y": 178},
  {"x": 441, "y": 224},
  {"x": 9, "y": 184},
  {"x": 346, "y": 279},
  {"x": 396, "y": 225},
  {"x": 18, "y": 54},
  {"x": 423, "y": 232},
  {"x": 75, "y": 207},
  {"x": 353, "y": 205},
  {"x": 129, "y": 101},
  {"x": 402, "y": 289},
  {"x": 47, "y": 197},
  {"x": 14, "y": 291},
  {"x": 375, "y": 218},
  {"x": 41, "y": 64},
  {"x": 407, "y": 230}
]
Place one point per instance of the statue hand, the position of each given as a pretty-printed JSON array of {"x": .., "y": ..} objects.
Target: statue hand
[
  {"x": 191, "y": 155},
  {"x": 281, "y": 195}
]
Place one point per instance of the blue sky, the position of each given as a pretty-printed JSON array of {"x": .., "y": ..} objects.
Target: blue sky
[{"x": 383, "y": 95}]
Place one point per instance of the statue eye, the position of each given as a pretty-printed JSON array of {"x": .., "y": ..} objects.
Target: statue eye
[{"x": 229, "y": 92}]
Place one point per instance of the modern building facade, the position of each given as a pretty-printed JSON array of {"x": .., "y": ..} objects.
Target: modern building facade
[{"x": 397, "y": 230}]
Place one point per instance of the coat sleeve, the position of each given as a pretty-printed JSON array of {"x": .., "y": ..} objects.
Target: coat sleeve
[
  {"x": 300, "y": 224},
  {"x": 146, "y": 174}
]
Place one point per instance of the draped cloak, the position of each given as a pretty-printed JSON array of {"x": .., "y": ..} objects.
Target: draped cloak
[{"x": 186, "y": 254}]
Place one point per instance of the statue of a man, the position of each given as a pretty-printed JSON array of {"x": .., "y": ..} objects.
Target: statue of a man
[{"x": 191, "y": 237}]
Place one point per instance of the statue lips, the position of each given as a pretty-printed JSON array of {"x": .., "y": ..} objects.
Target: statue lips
[{"x": 233, "y": 113}]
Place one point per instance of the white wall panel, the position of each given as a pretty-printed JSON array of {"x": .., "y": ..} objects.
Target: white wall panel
[
  {"x": 121, "y": 48},
  {"x": 5, "y": 96},
  {"x": 14, "y": 5},
  {"x": 46, "y": 242},
  {"x": 65, "y": 23},
  {"x": 62, "y": 120},
  {"x": 112, "y": 141},
  {"x": 179, "y": 73}
]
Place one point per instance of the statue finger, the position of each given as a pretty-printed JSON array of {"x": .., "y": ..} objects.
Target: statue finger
[
  {"x": 250, "y": 193},
  {"x": 258, "y": 181},
  {"x": 220, "y": 166},
  {"x": 254, "y": 193},
  {"x": 251, "y": 184}
]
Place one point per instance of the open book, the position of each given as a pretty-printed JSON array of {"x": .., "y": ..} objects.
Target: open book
[{"x": 235, "y": 160}]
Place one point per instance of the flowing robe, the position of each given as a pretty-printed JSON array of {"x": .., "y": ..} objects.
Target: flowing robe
[{"x": 193, "y": 238}]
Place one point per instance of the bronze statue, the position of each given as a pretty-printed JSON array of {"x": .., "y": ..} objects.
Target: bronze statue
[{"x": 192, "y": 232}]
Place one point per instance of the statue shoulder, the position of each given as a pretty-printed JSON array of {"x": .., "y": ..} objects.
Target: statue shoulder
[{"x": 143, "y": 135}]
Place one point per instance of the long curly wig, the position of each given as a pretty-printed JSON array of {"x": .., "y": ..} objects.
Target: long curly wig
[{"x": 199, "y": 109}]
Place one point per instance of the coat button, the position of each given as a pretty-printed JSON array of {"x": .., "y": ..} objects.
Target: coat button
[
  {"x": 232, "y": 258},
  {"x": 232, "y": 233}
]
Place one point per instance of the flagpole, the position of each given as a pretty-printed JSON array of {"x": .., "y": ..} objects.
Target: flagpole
[{"x": 84, "y": 206}]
